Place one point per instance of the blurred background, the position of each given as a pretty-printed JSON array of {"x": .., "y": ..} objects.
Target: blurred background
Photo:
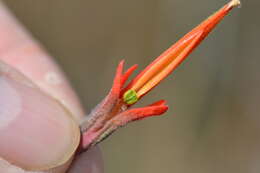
[{"x": 213, "y": 123}]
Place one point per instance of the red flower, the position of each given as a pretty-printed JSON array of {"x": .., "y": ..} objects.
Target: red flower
[{"x": 114, "y": 111}]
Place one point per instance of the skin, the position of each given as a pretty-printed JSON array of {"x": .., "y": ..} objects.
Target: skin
[{"x": 33, "y": 89}]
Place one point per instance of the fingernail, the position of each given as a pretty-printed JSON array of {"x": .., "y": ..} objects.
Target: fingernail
[{"x": 36, "y": 132}]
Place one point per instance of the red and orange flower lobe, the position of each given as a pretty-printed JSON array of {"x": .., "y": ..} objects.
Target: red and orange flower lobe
[{"x": 162, "y": 66}]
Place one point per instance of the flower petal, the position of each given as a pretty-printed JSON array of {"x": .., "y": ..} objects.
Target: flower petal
[
  {"x": 128, "y": 73},
  {"x": 118, "y": 79},
  {"x": 154, "y": 109},
  {"x": 171, "y": 58}
]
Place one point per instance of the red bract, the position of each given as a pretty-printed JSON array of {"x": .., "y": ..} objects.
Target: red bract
[{"x": 114, "y": 111}]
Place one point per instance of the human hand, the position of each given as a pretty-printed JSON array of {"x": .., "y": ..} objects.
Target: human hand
[{"x": 37, "y": 129}]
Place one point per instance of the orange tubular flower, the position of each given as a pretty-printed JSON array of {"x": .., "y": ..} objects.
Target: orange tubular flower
[
  {"x": 162, "y": 66},
  {"x": 114, "y": 111}
]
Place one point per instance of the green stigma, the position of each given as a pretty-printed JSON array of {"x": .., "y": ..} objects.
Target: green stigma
[{"x": 130, "y": 97}]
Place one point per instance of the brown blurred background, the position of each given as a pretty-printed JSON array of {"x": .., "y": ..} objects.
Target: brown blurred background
[{"x": 213, "y": 123}]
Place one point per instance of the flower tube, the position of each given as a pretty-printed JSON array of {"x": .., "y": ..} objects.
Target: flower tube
[{"x": 115, "y": 109}]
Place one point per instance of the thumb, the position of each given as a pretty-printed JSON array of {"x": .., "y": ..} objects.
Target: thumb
[{"x": 36, "y": 132}]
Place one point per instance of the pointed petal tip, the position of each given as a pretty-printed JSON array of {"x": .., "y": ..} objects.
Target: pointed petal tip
[
  {"x": 235, "y": 3},
  {"x": 159, "y": 103},
  {"x": 122, "y": 62},
  {"x": 128, "y": 73}
]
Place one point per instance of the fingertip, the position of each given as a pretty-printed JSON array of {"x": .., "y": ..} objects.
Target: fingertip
[{"x": 36, "y": 132}]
